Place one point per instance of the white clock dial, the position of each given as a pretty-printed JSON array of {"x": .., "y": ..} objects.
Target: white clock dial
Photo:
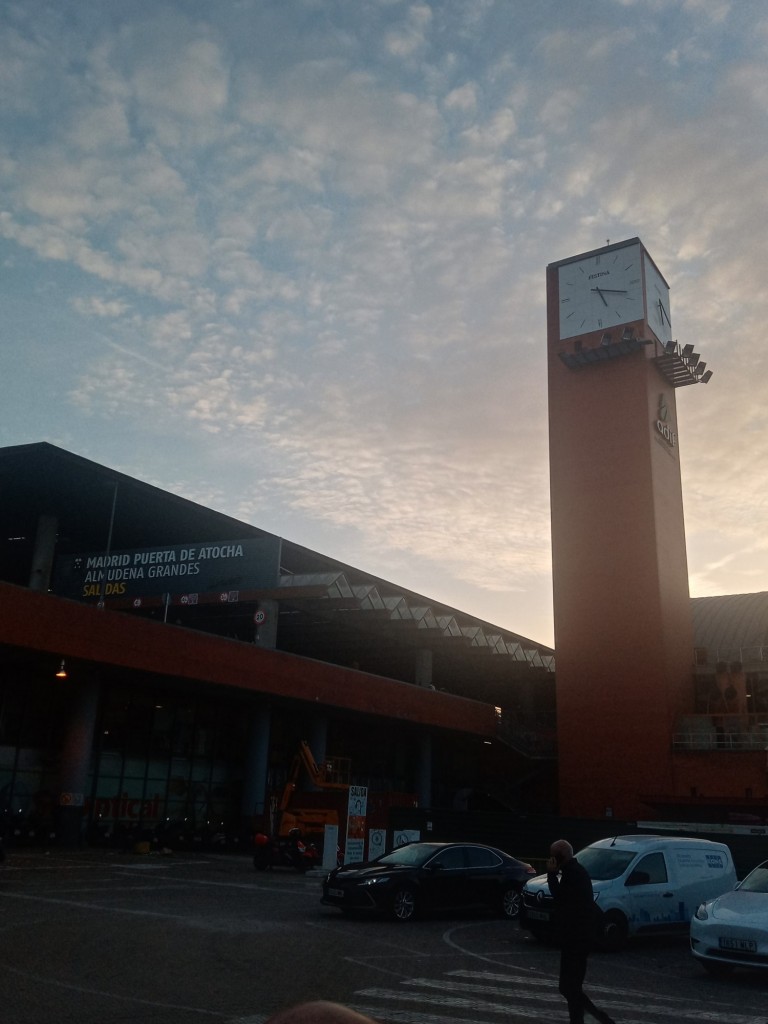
[
  {"x": 600, "y": 291},
  {"x": 657, "y": 311}
]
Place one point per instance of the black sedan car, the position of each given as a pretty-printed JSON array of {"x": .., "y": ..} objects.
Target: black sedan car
[{"x": 422, "y": 877}]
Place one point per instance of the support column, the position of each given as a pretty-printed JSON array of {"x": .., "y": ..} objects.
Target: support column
[
  {"x": 423, "y": 672},
  {"x": 265, "y": 632},
  {"x": 424, "y": 791},
  {"x": 75, "y": 759},
  {"x": 254, "y": 810},
  {"x": 43, "y": 553},
  {"x": 318, "y": 743}
]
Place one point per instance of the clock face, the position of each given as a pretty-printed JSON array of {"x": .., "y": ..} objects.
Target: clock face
[
  {"x": 657, "y": 303},
  {"x": 601, "y": 291}
]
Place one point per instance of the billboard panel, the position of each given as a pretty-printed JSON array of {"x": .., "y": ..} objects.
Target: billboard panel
[{"x": 186, "y": 573}]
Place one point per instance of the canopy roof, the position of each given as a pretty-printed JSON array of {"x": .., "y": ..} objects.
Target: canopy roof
[
  {"x": 327, "y": 610},
  {"x": 733, "y": 627}
]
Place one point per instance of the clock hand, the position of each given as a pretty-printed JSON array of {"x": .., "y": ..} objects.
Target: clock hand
[
  {"x": 600, "y": 293},
  {"x": 615, "y": 291}
]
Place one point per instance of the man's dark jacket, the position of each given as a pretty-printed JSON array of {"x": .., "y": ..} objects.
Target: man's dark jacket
[{"x": 575, "y": 909}]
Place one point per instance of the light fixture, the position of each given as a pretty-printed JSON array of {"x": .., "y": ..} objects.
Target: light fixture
[
  {"x": 704, "y": 379},
  {"x": 606, "y": 339},
  {"x": 687, "y": 351},
  {"x": 628, "y": 334},
  {"x": 62, "y": 673},
  {"x": 670, "y": 348}
]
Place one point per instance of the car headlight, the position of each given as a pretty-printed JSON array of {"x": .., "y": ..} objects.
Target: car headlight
[
  {"x": 379, "y": 880},
  {"x": 701, "y": 912}
]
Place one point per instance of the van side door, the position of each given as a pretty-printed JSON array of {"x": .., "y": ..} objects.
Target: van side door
[{"x": 652, "y": 902}]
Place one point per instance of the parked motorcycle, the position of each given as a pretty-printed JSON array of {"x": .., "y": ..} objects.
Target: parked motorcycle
[{"x": 284, "y": 851}]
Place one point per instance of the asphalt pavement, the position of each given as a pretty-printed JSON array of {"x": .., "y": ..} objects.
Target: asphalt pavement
[{"x": 99, "y": 936}]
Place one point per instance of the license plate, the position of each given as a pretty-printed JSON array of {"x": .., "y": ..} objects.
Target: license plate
[
  {"x": 738, "y": 945},
  {"x": 537, "y": 915},
  {"x": 337, "y": 894}
]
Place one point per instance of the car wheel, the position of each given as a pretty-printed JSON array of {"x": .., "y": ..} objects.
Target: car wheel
[
  {"x": 716, "y": 969},
  {"x": 404, "y": 904},
  {"x": 539, "y": 934},
  {"x": 614, "y": 932},
  {"x": 511, "y": 899}
]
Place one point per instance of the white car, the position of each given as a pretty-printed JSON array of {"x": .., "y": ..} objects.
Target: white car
[{"x": 732, "y": 930}]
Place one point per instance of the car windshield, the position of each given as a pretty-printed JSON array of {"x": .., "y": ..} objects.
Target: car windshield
[
  {"x": 412, "y": 856},
  {"x": 604, "y": 862},
  {"x": 756, "y": 880}
]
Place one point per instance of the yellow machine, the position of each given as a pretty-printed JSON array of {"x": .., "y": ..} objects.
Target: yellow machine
[{"x": 325, "y": 806}]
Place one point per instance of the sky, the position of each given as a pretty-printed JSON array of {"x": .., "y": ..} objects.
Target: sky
[{"x": 287, "y": 258}]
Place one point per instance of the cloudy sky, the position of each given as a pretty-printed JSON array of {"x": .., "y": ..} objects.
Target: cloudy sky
[{"x": 287, "y": 258}]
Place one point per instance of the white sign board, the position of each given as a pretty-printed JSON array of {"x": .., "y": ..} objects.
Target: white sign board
[
  {"x": 354, "y": 848},
  {"x": 377, "y": 842},
  {"x": 330, "y": 846},
  {"x": 405, "y": 836}
]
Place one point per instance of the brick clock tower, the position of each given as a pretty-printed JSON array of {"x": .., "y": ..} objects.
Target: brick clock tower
[{"x": 623, "y": 629}]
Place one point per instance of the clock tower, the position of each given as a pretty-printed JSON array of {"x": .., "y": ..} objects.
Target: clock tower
[{"x": 623, "y": 629}]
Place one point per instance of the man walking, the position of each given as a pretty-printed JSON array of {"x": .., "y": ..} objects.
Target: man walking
[{"x": 571, "y": 889}]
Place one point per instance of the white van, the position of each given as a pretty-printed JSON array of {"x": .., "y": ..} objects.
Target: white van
[{"x": 642, "y": 885}]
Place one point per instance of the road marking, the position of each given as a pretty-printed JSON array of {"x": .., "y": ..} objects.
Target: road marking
[
  {"x": 108, "y": 909},
  {"x": 40, "y": 979},
  {"x": 447, "y": 995}
]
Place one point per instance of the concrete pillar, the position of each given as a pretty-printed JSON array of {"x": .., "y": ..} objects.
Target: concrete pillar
[
  {"x": 43, "y": 552},
  {"x": 254, "y": 808},
  {"x": 423, "y": 672},
  {"x": 424, "y": 791},
  {"x": 75, "y": 759},
  {"x": 265, "y": 632},
  {"x": 318, "y": 742}
]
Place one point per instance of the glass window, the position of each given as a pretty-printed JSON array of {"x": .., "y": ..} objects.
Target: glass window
[
  {"x": 162, "y": 730},
  {"x": 603, "y": 862},
  {"x": 201, "y": 770},
  {"x": 756, "y": 880},
  {"x": 182, "y": 730},
  {"x": 412, "y": 855},
  {"x": 450, "y": 859},
  {"x": 651, "y": 870},
  {"x": 110, "y": 766},
  {"x": 482, "y": 858}
]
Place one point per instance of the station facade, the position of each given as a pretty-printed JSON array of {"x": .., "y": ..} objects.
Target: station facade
[{"x": 162, "y": 663}]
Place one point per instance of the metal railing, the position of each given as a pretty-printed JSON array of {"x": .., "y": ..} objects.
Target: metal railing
[
  {"x": 722, "y": 732},
  {"x": 534, "y": 739},
  {"x": 741, "y": 656}
]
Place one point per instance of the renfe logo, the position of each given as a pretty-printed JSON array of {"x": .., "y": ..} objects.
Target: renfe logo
[{"x": 663, "y": 428}]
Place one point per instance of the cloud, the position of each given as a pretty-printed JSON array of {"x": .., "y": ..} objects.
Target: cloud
[
  {"x": 96, "y": 306},
  {"x": 410, "y": 37},
  {"x": 305, "y": 246}
]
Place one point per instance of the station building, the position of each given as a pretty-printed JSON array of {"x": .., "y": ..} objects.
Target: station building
[{"x": 161, "y": 664}]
